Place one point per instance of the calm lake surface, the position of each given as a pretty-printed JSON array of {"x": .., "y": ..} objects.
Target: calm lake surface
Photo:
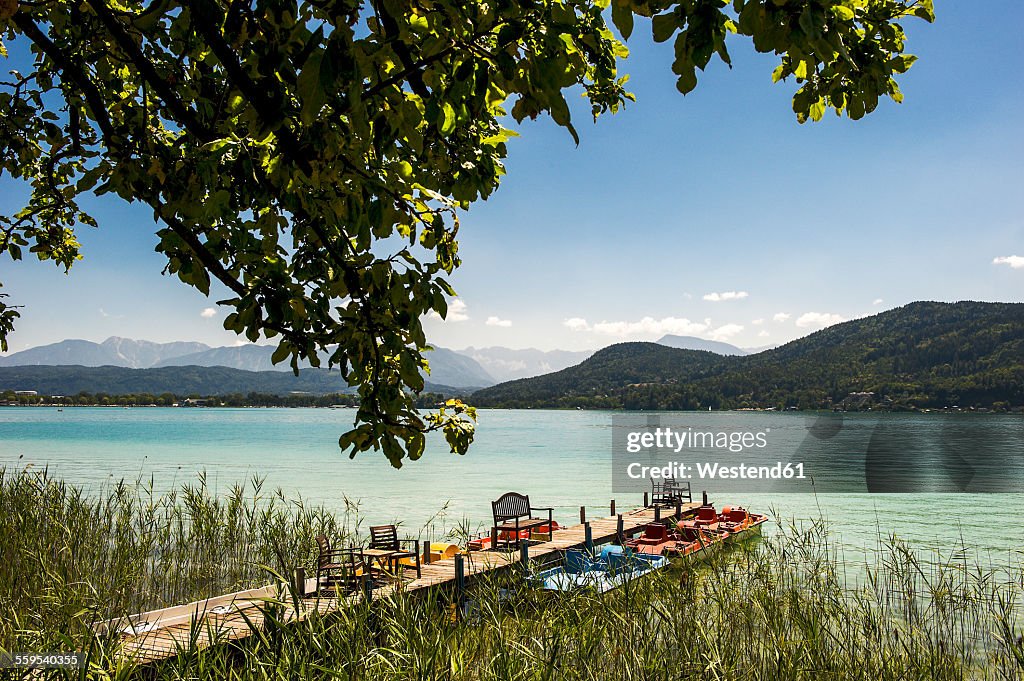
[{"x": 560, "y": 458}]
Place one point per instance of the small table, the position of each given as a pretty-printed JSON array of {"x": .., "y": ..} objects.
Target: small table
[{"x": 386, "y": 559}]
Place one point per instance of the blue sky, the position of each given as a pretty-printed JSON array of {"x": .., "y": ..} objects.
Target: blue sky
[{"x": 630, "y": 235}]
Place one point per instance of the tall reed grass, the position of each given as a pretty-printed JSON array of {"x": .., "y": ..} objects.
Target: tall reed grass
[
  {"x": 72, "y": 557},
  {"x": 785, "y": 607}
]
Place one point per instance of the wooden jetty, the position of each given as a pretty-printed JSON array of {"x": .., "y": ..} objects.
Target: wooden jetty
[{"x": 161, "y": 634}]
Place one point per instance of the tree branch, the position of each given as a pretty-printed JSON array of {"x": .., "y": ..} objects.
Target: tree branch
[
  {"x": 215, "y": 267},
  {"x": 184, "y": 114},
  {"x": 208, "y": 259},
  {"x": 70, "y": 68}
]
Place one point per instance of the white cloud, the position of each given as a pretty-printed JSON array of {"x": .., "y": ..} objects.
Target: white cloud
[
  {"x": 648, "y": 326},
  {"x": 781, "y": 316},
  {"x": 757, "y": 322},
  {"x": 652, "y": 326},
  {"x": 725, "y": 332},
  {"x": 715, "y": 297},
  {"x": 1014, "y": 261},
  {"x": 208, "y": 312},
  {"x": 495, "y": 321},
  {"x": 576, "y": 324},
  {"x": 877, "y": 301},
  {"x": 763, "y": 333},
  {"x": 818, "y": 320},
  {"x": 456, "y": 312}
]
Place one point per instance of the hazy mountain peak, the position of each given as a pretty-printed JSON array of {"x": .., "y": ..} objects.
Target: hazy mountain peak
[
  {"x": 507, "y": 364},
  {"x": 694, "y": 343}
]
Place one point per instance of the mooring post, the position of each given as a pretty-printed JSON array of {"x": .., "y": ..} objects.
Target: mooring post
[
  {"x": 494, "y": 539},
  {"x": 620, "y": 529},
  {"x": 657, "y": 513},
  {"x": 588, "y": 536},
  {"x": 460, "y": 576},
  {"x": 612, "y": 506},
  {"x": 367, "y": 589},
  {"x": 679, "y": 508},
  {"x": 583, "y": 514},
  {"x": 524, "y": 555},
  {"x": 647, "y": 499},
  {"x": 299, "y": 582},
  {"x": 426, "y": 552},
  {"x": 704, "y": 499}
]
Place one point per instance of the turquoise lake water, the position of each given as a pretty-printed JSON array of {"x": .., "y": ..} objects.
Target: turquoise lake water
[{"x": 560, "y": 458}]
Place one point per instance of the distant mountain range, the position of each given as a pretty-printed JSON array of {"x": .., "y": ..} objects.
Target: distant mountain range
[
  {"x": 447, "y": 368},
  {"x": 118, "y": 352},
  {"x": 464, "y": 369},
  {"x": 924, "y": 354}
]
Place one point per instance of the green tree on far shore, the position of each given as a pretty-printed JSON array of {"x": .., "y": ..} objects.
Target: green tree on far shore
[{"x": 285, "y": 147}]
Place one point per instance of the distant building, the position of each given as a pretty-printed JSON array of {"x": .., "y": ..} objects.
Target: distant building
[
  {"x": 855, "y": 401},
  {"x": 26, "y": 393}
]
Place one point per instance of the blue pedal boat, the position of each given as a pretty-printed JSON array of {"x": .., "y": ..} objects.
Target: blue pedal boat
[{"x": 612, "y": 568}]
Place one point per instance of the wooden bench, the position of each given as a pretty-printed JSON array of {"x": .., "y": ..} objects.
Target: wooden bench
[{"x": 513, "y": 513}]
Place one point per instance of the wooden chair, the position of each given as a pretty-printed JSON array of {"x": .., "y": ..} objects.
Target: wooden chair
[
  {"x": 513, "y": 513},
  {"x": 342, "y": 570},
  {"x": 387, "y": 547},
  {"x": 668, "y": 491}
]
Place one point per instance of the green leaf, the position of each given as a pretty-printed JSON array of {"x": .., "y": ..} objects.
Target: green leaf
[
  {"x": 843, "y": 12},
  {"x": 687, "y": 81},
  {"x": 310, "y": 90},
  {"x": 622, "y": 16},
  {"x": 925, "y": 9},
  {"x": 415, "y": 445},
  {"x": 902, "y": 63},
  {"x": 817, "y": 110},
  {"x": 446, "y": 118},
  {"x": 663, "y": 26},
  {"x": 283, "y": 350}
]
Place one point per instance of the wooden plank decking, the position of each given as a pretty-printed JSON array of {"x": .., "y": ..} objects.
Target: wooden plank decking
[{"x": 160, "y": 634}]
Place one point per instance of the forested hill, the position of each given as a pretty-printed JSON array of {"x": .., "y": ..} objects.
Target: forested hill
[
  {"x": 922, "y": 355},
  {"x": 621, "y": 365},
  {"x": 177, "y": 380}
]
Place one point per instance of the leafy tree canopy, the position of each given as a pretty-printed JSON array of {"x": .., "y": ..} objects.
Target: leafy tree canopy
[{"x": 313, "y": 156}]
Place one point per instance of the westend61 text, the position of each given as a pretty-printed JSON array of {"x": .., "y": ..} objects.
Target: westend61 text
[{"x": 714, "y": 471}]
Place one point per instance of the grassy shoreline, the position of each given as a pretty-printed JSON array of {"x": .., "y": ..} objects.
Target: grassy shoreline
[{"x": 784, "y": 607}]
